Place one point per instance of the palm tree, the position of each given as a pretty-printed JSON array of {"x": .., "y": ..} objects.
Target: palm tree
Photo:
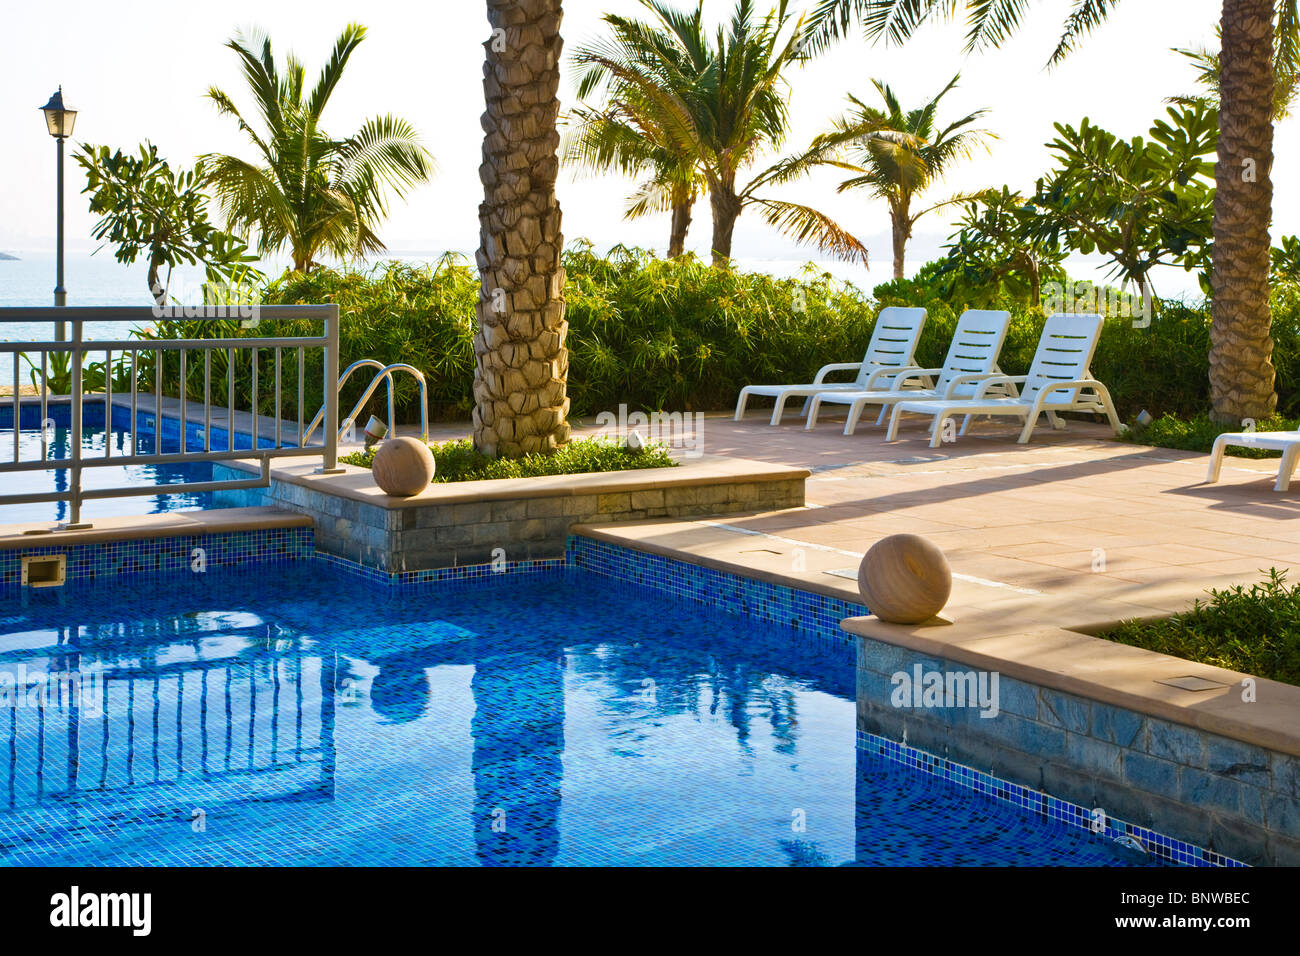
[
  {"x": 626, "y": 137},
  {"x": 1241, "y": 366},
  {"x": 307, "y": 190},
  {"x": 899, "y": 154},
  {"x": 521, "y": 363},
  {"x": 723, "y": 101}
]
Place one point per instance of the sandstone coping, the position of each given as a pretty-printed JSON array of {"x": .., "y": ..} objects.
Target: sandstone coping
[
  {"x": 357, "y": 484},
  {"x": 139, "y": 527}
]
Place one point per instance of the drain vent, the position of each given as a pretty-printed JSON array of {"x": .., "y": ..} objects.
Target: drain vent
[{"x": 44, "y": 570}]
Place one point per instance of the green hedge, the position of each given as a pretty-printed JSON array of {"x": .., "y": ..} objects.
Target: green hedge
[{"x": 680, "y": 335}]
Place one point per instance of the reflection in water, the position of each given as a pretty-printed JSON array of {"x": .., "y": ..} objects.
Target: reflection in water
[
  {"x": 119, "y": 724},
  {"x": 518, "y": 730}
]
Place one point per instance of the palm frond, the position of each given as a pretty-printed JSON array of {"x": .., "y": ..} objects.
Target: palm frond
[
  {"x": 807, "y": 226},
  {"x": 332, "y": 72},
  {"x": 1085, "y": 16}
]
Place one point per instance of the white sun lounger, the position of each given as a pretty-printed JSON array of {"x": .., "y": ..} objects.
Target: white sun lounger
[
  {"x": 891, "y": 349},
  {"x": 1288, "y": 443},
  {"x": 972, "y": 357},
  {"x": 1059, "y": 380}
]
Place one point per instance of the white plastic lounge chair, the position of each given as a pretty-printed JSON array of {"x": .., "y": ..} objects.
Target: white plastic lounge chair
[
  {"x": 972, "y": 357},
  {"x": 891, "y": 349},
  {"x": 1288, "y": 443},
  {"x": 1058, "y": 381}
]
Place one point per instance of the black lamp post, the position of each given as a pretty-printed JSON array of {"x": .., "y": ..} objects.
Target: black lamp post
[{"x": 59, "y": 120}]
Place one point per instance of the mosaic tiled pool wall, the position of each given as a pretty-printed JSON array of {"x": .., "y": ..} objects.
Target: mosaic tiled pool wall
[
  {"x": 1237, "y": 800},
  {"x": 430, "y": 535},
  {"x": 804, "y": 611},
  {"x": 442, "y": 577},
  {"x": 108, "y": 559}
]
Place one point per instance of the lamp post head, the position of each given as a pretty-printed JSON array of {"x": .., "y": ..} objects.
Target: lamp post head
[{"x": 58, "y": 118}]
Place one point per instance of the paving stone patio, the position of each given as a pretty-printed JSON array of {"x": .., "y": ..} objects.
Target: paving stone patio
[{"x": 1095, "y": 528}]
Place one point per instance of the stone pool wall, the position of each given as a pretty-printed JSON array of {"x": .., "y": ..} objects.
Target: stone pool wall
[
  {"x": 1235, "y": 798},
  {"x": 470, "y": 523}
]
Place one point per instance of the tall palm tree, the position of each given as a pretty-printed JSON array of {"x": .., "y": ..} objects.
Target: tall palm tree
[
  {"x": 899, "y": 154},
  {"x": 722, "y": 100},
  {"x": 307, "y": 190},
  {"x": 521, "y": 362},
  {"x": 1241, "y": 367},
  {"x": 626, "y": 137}
]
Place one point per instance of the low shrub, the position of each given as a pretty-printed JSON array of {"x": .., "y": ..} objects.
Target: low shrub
[
  {"x": 1198, "y": 434},
  {"x": 459, "y": 461},
  {"x": 1255, "y": 630},
  {"x": 679, "y": 335}
]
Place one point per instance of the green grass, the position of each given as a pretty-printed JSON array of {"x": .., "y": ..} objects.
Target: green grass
[
  {"x": 1198, "y": 434},
  {"x": 1253, "y": 629},
  {"x": 458, "y": 461}
]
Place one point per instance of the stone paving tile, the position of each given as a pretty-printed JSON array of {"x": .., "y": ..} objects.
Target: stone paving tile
[{"x": 1024, "y": 516}]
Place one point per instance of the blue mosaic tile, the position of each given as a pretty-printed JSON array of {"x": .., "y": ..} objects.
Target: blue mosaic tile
[
  {"x": 800, "y": 610},
  {"x": 170, "y": 555},
  {"x": 1041, "y": 804}
]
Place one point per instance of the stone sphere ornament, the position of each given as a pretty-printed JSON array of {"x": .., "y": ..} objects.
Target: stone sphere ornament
[
  {"x": 905, "y": 579},
  {"x": 402, "y": 467}
]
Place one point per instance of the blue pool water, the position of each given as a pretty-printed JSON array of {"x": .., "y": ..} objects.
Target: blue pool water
[
  {"x": 95, "y": 439},
  {"x": 292, "y": 715}
]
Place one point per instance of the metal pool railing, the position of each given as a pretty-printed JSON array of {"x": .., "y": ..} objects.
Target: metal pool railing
[{"x": 182, "y": 359}]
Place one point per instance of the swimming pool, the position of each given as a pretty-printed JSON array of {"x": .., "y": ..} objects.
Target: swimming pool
[
  {"x": 292, "y": 714},
  {"x": 95, "y": 439}
]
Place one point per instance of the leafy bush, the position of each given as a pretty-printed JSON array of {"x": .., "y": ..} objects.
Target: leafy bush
[
  {"x": 1255, "y": 630},
  {"x": 459, "y": 461},
  {"x": 680, "y": 335},
  {"x": 1199, "y": 433},
  {"x": 654, "y": 334}
]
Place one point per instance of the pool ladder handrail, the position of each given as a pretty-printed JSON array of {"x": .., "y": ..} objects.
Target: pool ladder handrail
[{"x": 385, "y": 373}]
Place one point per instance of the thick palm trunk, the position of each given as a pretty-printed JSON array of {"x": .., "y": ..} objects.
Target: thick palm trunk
[
  {"x": 726, "y": 210},
  {"x": 1241, "y": 349},
  {"x": 522, "y": 364},
  {"x": 681, "y": 224}
]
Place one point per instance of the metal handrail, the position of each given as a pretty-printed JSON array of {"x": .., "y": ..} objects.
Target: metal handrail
[
  {"x": 78, "y": 347},
  {"x": 385, "y": 373}
]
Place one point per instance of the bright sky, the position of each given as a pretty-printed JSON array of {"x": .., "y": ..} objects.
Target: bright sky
[{"x": 139, "y": 70}]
